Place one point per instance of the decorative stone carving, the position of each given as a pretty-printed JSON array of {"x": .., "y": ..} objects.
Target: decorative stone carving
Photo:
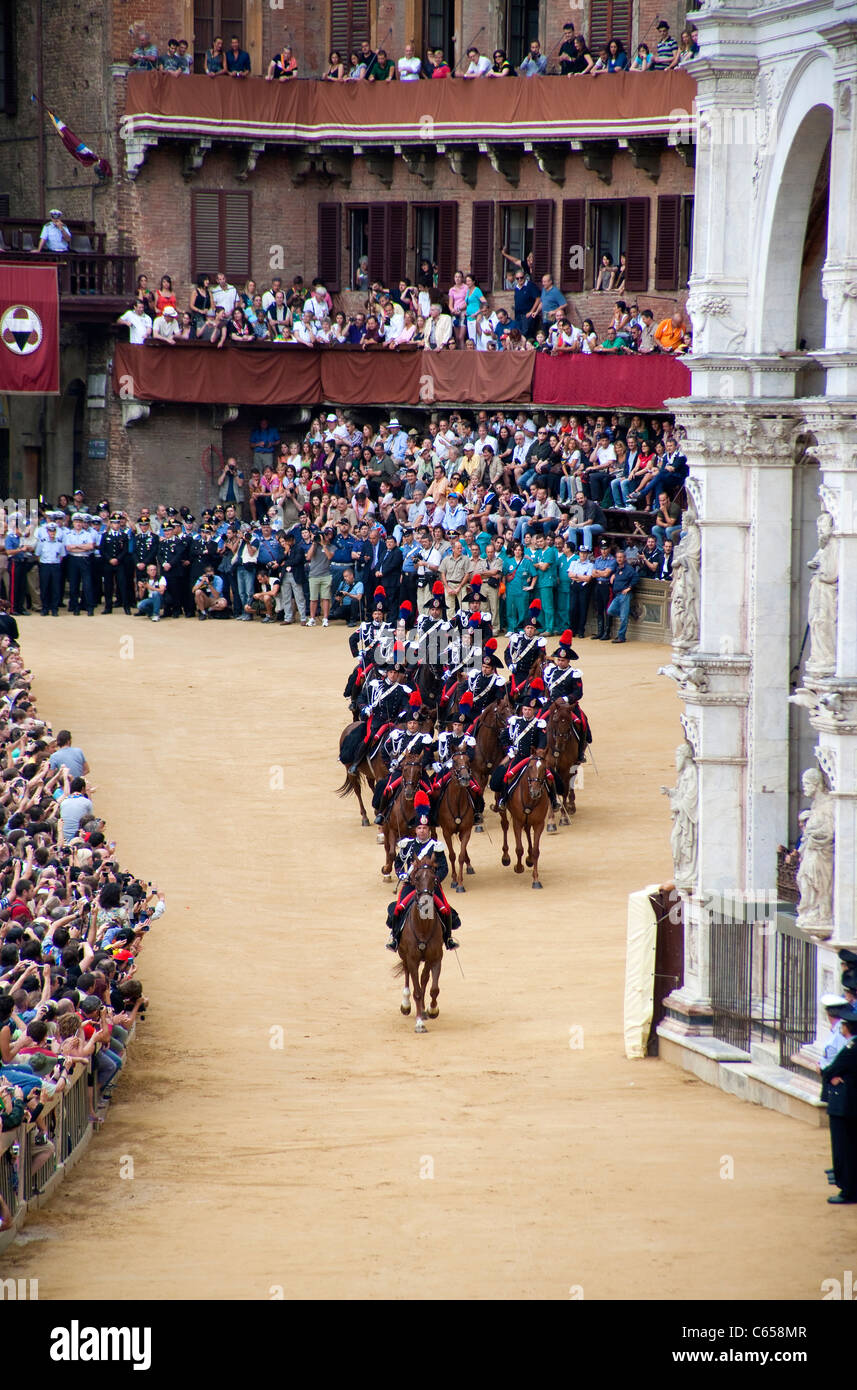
[
  {"x": 684, "y": 804},
  {"x": 815, "y": 853},
  {"x": 684, "y": 595},
  {"x": 823, "y": 600},
  {"x": 825, "y": 756}
]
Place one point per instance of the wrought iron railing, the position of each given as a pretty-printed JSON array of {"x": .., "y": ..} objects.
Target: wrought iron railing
[{"x": 763, "y": 986}]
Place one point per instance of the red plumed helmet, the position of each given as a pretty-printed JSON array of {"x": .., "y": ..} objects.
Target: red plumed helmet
[
  {"x": 415, "y": 700},
  {"x": 536, "y": 606},
  {"x": 567, "y": 638},
  {"x": 437, "y": 588},
  {"x": 537, "y": 683},
  {"x": 466, "y": 699},
  {"x": 476, "y": 580},
  {"x": 491, "y": 644},
  {"x": 380, "y": 590},
  {"x": 406, "y": 607},
  {"x": 421, "y": 799}
]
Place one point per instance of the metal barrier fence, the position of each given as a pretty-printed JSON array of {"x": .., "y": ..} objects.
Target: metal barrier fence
[
  {"x": 763, "y": 985},
  {"x": 67, "y": 1126}
]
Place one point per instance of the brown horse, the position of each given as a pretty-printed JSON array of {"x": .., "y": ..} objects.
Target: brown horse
[
  {"x": 489, "y": 749},
  {"x": 528, "y": 806},
  {"x": 455, "y": 816},
  {"x": 401, "y": 812},
  {"x": 421, "y": 946},
  {"x": 566, "y": 751},
  {"x": 372, "y": 768}
]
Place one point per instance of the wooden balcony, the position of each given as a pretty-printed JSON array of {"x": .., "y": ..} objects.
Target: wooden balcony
[{"x": 95, "y": 286}]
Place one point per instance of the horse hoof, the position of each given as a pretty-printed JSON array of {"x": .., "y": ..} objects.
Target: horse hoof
[
  {"x": 564, "y": 820},
  {"x": 364, "y": 820},
  {"x": 379, "y": 838},
  {"x": 470, "y": 869},
  {"x": 405, "y": 1009},
  {"x": 387, "y": 878},
  {"x": 572, "y": 810},
  {"x": 433, "y": 1013},
  {"x": 551, "y": 830},
  {"x": 419, "y": 1026},
  {"x": 459, "y": 888},
  {"x": 519, "y": 868},
  {"x": 505, "y": 861},
  {"x": 479, "y": 830},
  {"x": 536, "y": 883}
]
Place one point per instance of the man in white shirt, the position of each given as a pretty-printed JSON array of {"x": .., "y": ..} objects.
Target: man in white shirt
[
  {"x": 480, "y": 64},
  {"x": 224, "y": 295},
  {"x": 521, "y": 449},
  {"x": 166, "y": 327},
  {"x": 410, "y": 66},
  {"x": 317, "y": 304},
  {"x": 55, "y": 235},
  {"x": 269, "y": 297},
  {"x": 304, "y": 331},
  {"x": 138, "y": 323},
  {"x": 483, "y": 438}
]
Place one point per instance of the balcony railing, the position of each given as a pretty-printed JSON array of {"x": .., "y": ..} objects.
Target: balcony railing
[{"x": 94, "y": 284}]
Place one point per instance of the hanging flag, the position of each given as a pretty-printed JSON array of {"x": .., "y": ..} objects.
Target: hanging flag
[
  {"x": 29, "y": 329},
  {"x": 81, "y": 152}
]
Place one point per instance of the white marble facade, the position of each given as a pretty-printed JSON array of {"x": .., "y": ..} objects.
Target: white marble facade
[{"x": 772, "y": 446}]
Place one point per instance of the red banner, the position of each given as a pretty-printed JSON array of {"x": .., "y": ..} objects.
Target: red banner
[{"x": 29, "y": 330}]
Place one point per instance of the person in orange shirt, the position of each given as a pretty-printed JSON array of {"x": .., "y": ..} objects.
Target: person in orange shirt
[{"x": 669, "y": 333}]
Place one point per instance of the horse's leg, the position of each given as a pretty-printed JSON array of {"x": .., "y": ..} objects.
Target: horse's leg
[
  {"x": 433, "y": 1009},
  {"x": 354, "y": 779},
  {"x": 449, "y": 840},
  {"x": 504, "y": 821},
  {"x": 463, "y": 857},
  {"x": 389, "y": 848},
  {"x": 420, "y": 978},
  {"x": 529, "y": 842},
  {"x": 405, "y": 1005},
  {"x": 517, "y": 826},
  {"x": 537, "y": 835}
]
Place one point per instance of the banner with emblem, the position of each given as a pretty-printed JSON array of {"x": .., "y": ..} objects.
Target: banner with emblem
[{"x": 29, "y": 330}]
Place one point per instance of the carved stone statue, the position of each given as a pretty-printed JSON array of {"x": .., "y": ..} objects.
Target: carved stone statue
[
  {"x": 684, "y": 804},
  {"x": 823, "y": 600},
  {"x": 815, "y": 852},
  {"x": 684, "y": 594}
]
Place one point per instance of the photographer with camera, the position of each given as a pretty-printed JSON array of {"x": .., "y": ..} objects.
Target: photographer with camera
[
  {"x": 231, "y": 484},
  {"x": 319, "y": 559},
  {"x": 208, "y": 594},
  {"x": 265, "y": 597},
  {"x": 348, "y": 599}
]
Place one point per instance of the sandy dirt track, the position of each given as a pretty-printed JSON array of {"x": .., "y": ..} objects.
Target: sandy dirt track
[{"x": 304, "y": 1167}]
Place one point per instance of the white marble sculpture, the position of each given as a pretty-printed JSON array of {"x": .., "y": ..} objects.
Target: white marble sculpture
[
  {"x": 684, "y": 594},
  {"x": 815, "y": 853},
  {"x": 823, "y": 599},
  {"x": 684, "y": 804}
]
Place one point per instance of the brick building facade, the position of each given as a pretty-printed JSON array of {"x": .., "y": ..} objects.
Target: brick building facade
[{"x": 288, "y": 202}]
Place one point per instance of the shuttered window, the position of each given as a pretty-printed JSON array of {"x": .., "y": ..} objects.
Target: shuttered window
[
  {"x": 329, "y": 259},
  {"x": 447, "y": 243},
  {"x": 571, "y": 278},
  {"x": 349, "y": 26},
  {"x": 482, "y": 245},
  {"x": 220, "y": 233},
  {"x": 609, "y": 19},
  {"x": 637, "y": 244},
  {"x": 388, "y": 235},
  {"x": 668, "y": 242},
  {"x": 543, "y": 238}
]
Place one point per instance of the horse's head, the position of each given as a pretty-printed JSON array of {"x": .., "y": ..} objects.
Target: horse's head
[
  {"x": 412, "y": 769},
  {"x": 424, "y": 879},
  {"x": 461, "y": 769},
  {"x": 535, "y": 778}
]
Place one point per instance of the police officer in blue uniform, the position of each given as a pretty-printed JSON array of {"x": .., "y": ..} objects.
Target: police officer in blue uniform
[
  {"x": 114, "y": 550},
  {"x": 80, "y": 543}
]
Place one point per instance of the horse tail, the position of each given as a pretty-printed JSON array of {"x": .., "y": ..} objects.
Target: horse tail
[
  {"x": 347, "y": 787},
  {"x": 398, "y": 970}
]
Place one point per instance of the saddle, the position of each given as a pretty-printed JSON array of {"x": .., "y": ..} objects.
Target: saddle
[
  {"x": 441, "y": 782},
  {"x": 439, "y": 901},
  {"x": 513, "y": 775}
]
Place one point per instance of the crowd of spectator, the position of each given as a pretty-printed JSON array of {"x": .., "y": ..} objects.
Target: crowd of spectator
[
  {"x": 309, "y": 528},
  {"x": 71, "y": 924},
  {"x": 402, "y": 317},
  {"x": 571, "y": 57}
]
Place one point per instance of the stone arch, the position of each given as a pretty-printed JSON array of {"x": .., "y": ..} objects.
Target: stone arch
[{"x": 803, "y": 133}]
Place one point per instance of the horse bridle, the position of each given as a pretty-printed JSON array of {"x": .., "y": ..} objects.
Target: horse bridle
[
  {"x": 540, "y": 782},
  {"x": 414, "y": 765},
  {"x": 417, "y": 869},
  {"x": 493, "y": 725}
]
